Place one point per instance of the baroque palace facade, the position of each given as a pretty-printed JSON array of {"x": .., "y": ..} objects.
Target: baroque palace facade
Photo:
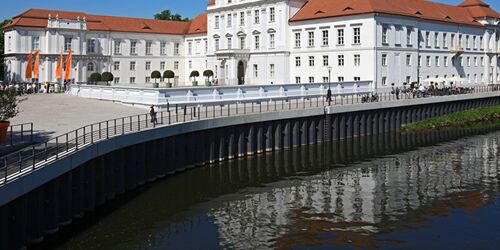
[{"x": 269, "y": 42}]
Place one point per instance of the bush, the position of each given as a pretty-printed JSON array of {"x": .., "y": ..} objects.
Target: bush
[
  {"x": 8, "y": 104},
  {"x": 107, "y": 77},
  {"x": 208, "y": 73},
  {"x": 95, "y": 77},
  {"x": 156, "y": 75},
  {"x": 168, "y": 74},
  {"x": 194, "y": 74}
]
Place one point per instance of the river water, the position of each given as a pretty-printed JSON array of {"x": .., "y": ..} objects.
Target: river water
[{"x": 434, "y": 190}]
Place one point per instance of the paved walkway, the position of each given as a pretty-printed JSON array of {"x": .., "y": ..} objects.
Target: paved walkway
[{"x": 56, "y": 114}]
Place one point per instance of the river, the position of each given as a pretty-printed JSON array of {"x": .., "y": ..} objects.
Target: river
[{"x": 432, "y": 190}]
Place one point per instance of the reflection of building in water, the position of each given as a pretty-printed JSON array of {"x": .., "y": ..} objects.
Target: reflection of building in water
[{"x": 359, "y": 199}]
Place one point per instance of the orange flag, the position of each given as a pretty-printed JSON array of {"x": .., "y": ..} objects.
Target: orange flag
[
  {"x": 35, "y": 70},
  {"x": 59, "y": 67},
  {"x": 67, "y": 70},
  {"x": 29, "y": 66}
]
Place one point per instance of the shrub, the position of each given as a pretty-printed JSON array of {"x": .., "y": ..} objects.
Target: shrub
[
  {"x": 107, "y": 77},
  {"x": 8, "y": 104},
  {"x": 95, "y": 77},
  {"x": 156, "y": 75},
  {"x": 194, "y": 74}
]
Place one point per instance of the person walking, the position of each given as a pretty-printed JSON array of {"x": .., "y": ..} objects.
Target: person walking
[
  {"x": 329, "y": 96},
  {"x": 152, "y": 114}
]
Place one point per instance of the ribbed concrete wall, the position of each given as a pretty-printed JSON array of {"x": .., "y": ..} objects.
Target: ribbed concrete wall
[{"x": 82, "y": 185}]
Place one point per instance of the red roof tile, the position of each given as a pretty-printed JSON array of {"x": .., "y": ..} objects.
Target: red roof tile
[
  {"x": 316, "y": 9},
  {"x": 198, "y": 25},
  {"x": 212, "y": 2}
]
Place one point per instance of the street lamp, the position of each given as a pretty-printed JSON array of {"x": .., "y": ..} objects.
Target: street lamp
[
  {"x": 329, "y": 93},
  {"x": 329, "y": 76}
]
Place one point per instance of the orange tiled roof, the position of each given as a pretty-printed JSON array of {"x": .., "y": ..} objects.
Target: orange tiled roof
[
  {"x": 39, "y": 18},
  {"x": 465, "y": 13},
  {"x": 212, "y": 2}
]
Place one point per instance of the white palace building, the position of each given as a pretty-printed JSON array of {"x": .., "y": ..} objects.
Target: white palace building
[{"x": 269, "y": 42}]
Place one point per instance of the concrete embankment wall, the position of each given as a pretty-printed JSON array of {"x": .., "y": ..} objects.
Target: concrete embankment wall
[{"x": 40, "y": 202}]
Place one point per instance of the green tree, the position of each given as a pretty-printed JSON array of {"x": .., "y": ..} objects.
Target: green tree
[
  {"x": 95, "y": 77},
  {"x": 167, "y": 15},
  {"x": 107, "y": 77},
  {"x": 156, "y": 75},
  {"x": 2, "y": 24}
]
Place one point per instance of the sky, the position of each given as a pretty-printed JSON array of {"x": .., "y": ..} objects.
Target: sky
[{"x": 133, "y": 8}]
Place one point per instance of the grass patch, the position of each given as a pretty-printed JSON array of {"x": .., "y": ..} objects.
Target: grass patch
[{"x": 460, "y": 119}]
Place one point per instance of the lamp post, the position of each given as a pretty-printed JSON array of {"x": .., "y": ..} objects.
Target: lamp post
[{"x": 329, "y": 93}]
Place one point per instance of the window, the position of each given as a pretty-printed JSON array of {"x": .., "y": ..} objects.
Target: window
[
  {"x": 357, "y": 60},
  {"x": 35, "y": 43},
  {"x": 475, "y": 61},
  {"x": 229, "y": 43},
  {"x": 460, "y": 41},
  {"x": 452, "y": 40},
  {"x": 256, "y": 17},
  {"x": 468, "y": 62},
  {"x": 428, "y": 60},
  {"x": 229, "y": 20},
  {"x": 384, "y": 59},
  {"x": 90, "y": 67},
  {"x": 271, "y": 41},
  {"x": 177, "y": 48},
  {"x": 116, "y": 65},
  {"x": 467, "y": 42},
  {"x": 133, "y": 48},
  {"x": 67, "y": 43},
  {"x": 148, "y": 79},
  {"x": 357, "y": 78},
  {"x": 242, "y": 18},
  {"x": 148, "y": 48},
  {"x": 271, "y": 70},
  {"x": 116, "y": 80},
  {"x": 311, "y": 39},
  {"x": 445, "y": 40},
  {"x": 217, "y": 22},
  {"x": 474, "y": 42},
  {"x": 436, "y": 39},
  {"x": 148, "y": 65},
  {"x": 176, "y": 65},
  {"x": 272, "y": 15},
  {"x": 217, "y": 44},
  {"x": 325, "y": 37},
  {"x": 326, "y": 61},
  {"x": 408, "y": 60},
  {"x": 357, "y": 35},
  {"x": 340, "y": 37},
  {"x": 482, "y": 61},
  {"x": 190, "y": 48},
  {"x": 206, "y": 46},
  {"x": 311, "y": 61},
  {"x": 427, "y": 39},
  {"x": 297, "y": 40},
  {"x": 163, "y": 48},
  {"x": 340, "y": 78},
  {"x": 162, "y": 65},
  {"x": 132, "y": 66},
  {"x": 420, "y": 61},
  {"x": 117, "y": 47},
  {"x": 408, "y": 36},
  {"x": 297, "y": 79},
  {"x": 399, "y": 30},
  {"x": 385, "y": 38},
  {"x": 341, "y": 60},
  {"x": 242, "y": 42},
  {"x": 481, "y": 43},
  {"x": 257, "y": 42},
  {"x": 311, "y": 79},
  {"x": 255, "y": 70},
  {"x": 297, "y": 61},
  {"x": 132, "y": 79},
  {"x": 436, "y": 61},
  {"x": 384, "y": 80},
  {"x": 190, "y": 64}
]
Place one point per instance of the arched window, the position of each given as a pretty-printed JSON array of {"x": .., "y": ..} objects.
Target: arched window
[{"x": 90, "y": 66}]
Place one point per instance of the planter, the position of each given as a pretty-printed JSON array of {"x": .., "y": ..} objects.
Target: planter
[
  {"x": 4, "y": 127},
  {"x": 168, "y": 85},
  {"x": 195, "y": 83},
  {"x": 156, "y": 85},
  {"x": 208, "y": 83}
]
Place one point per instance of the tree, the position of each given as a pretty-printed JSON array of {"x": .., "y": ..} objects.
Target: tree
[
  {"x": 167, "y": 15},
  {"x": 156, "y": 75},
  {"x": 8, "y": 104},
  {"x": 95, "y": 77},
  {"x": 107, "y": 77},
  {"x": 2, "y": 24},
  {"x": 208, "y": 73},
  {"x": 169, "y": 74},
  {"x": 194, "y": 74}
]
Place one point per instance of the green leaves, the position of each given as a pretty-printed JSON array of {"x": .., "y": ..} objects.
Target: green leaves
[
  {"x": 167, "y": 15},
  {"x": 8, "y": 104}
]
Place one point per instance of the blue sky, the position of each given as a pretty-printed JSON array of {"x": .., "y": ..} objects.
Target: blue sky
[{"x": 132, "y": 8}]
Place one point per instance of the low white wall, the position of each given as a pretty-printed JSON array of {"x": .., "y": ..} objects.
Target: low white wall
[{"x": 211, "y": 95}]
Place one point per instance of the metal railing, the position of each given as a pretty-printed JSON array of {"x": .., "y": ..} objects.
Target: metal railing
[
  {"x": 14, "y": 165},
  {"x": 19, "y": 133}
]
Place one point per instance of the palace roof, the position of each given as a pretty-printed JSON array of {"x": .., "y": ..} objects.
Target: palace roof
[
  {"x": 39, "y": 19},
  {"x": 464, "y": 13}
]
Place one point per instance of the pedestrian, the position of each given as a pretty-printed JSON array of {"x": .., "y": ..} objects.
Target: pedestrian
[
  {"x": 329, "y": 96},
  {"x": 152, "y": 114},
  {"x": 397, "y": 93}
]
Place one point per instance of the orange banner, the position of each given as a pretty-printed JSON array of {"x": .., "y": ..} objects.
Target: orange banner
[
  {"x": 59, "y": 67},
  {"x": 29, "y": 66},
  {"x": 67, "y": 70},
  {"x": 35, "y": 69}
]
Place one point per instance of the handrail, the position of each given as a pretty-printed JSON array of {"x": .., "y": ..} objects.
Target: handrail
[
  {"x": 11, "y": 130},
  {"x": 17, "y": 164}
]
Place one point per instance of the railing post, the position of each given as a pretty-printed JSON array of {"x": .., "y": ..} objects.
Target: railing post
[
  {"x": 76, "y": 140},
  {"x": 67, "y": 143},
  {"x": 139, "y": 122},
  {"x": 228, "y": 109},
  {"x": 199, "y": 110},
  {"x": 33, "y": 155},
  {"x": 6, "y": 170},
  {"x": 20, "y": 162},
  {"x": 31, "y": 133},
  {"x": 169, "y": 117},
  {"x": 57, "y": 147},
  {"x": 107, "y": 129},
  {"x": 45, "y": 151},
  {"x": 123, "y": 125},
  {"x": 22, "y": 132},
  {"x": 11, "y": 135},
  {"x": 92, "y": 134},
  {"x": 100, "y": 131},
  {"x": 185, "y": 113},
  {"x": 130, "y": 123},
  {"x": 161, "y": 117}
]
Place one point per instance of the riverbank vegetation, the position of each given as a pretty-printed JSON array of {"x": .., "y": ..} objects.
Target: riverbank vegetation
[{"x": 460, "y": 119}]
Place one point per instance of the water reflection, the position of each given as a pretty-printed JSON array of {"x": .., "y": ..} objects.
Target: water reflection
[{"x": 351, "y": 193}]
